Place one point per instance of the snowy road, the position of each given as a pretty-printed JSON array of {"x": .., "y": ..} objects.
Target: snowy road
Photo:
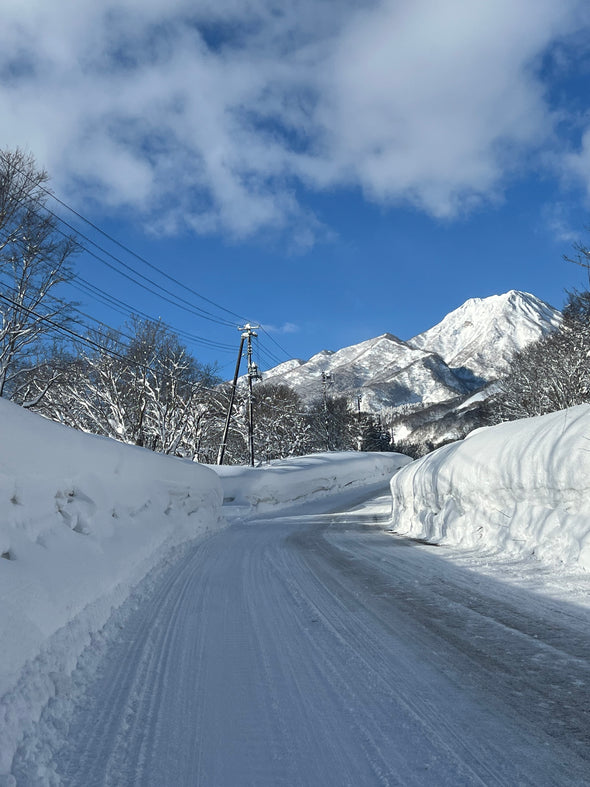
[{"x": 322, "y": 651}]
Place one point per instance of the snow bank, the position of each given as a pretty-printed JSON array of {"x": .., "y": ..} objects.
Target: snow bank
[
  {"x": 521, "y": 487},
  {"x": 82, "y": 521},
  {"x": 288, "y": 482}
]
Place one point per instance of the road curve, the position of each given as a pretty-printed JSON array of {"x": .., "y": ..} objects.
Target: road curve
[{"x": 321, "y": 651}]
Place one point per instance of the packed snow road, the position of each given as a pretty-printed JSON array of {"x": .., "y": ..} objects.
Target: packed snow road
[{"x": 320, "y": 650}]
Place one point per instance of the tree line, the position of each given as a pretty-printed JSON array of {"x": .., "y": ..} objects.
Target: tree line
[{"x": 143, "y": 387}]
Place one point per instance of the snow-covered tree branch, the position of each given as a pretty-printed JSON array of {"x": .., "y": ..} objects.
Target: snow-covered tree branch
[{"x": 35, "y": 257}]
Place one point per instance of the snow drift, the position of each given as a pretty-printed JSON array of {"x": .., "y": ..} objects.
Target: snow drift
[
  {"x": 521, "y": 488},
  {"x": 82, "y": 520},
  {"x": 250, "y": 491}
]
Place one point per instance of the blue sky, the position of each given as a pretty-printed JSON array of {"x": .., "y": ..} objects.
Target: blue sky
[{"x": 333, "y": 170}]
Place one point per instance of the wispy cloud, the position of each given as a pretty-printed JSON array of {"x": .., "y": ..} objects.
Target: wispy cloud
[
  {"x": 213, "y": 115},
  {"x": 557, "y": 219},
  {"x": 287, "y": 327}
]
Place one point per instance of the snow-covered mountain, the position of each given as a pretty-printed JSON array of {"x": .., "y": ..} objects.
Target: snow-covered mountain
[
  {"x": 384, "y": 371},
  {"x": 470, "y": 347},
  {"x": 483, "y": 334}
]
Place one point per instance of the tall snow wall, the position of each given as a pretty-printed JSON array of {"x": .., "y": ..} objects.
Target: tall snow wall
[
  {"x": 520, "y": 488},
  {"x": 82, "y": 520}
]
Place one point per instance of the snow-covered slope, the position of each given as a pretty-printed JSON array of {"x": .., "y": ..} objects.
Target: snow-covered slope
[
  {"x": 283, "y": 368},
  {"x": 483, "y": 334},
  {"x": 518, "y": 488},
  {"x": 385, "y": 371},
  {"x": 250, "y": 491}
]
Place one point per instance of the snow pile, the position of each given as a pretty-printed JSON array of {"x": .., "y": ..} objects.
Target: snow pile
[
  {"x": 82, "y": 520},
  {"x": 519, "y": 488},
  {"x": 284, "y": 483}
]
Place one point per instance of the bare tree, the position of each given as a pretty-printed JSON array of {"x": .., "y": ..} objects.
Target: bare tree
[
  {"x": 166, "y": 381},
  {"x": 141, "y": 387},
  {"x": 333, "y": 425},
  {"x": 282, "y": 429},
  {"x": 35, "y": 257}
]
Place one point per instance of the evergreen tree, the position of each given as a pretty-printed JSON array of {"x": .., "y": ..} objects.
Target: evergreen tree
[{"x": 373, "y": 437}]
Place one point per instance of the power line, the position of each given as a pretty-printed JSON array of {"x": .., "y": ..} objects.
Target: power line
[
  {"x": 120, "y": 245},
  {"x": 276, "y": 342},
  {"x": 127, "y": 311},
  {"x": 117, "y": 332},
  {"x": 89, "y": 342},
  {"x": 124, "y": 308},
  {"x": 191, "y": 308},
  {"x": 182, "y": 302},
  {"x": 266, "y": 353},
  {"x": 274, "y": 360},
  {"x": 214, "y": 345}
]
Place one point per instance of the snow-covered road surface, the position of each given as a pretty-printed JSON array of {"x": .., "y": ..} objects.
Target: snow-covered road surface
[{"x": 320, "y": 650}]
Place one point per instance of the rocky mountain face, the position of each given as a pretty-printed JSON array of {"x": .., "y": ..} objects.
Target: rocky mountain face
[{"x": 436, "y": 372}]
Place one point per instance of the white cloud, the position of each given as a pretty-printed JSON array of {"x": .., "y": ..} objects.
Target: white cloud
[
  {"x": 211, "y": 117},
  {"x": 427, "y": 101},
  {"x": 576, "y": 164},
  {"x": 558, "y": 220},
  {"x": 287, "y": 327}
]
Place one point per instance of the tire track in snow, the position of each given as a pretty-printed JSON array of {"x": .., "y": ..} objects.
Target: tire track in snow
[
  {"x": 121, "y": 695},
  {"x": 268, "y": 656},
  {"x": 402, "y": 694}
]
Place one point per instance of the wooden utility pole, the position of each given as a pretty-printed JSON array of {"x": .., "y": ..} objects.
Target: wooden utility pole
[
  {"x": 231, "y": 403},
  {"x": 326, "y": 381},
  {"x": 253, "y": 374}
]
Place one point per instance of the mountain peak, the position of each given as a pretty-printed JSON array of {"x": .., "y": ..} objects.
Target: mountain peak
[{"x": 482, "y": 335}]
